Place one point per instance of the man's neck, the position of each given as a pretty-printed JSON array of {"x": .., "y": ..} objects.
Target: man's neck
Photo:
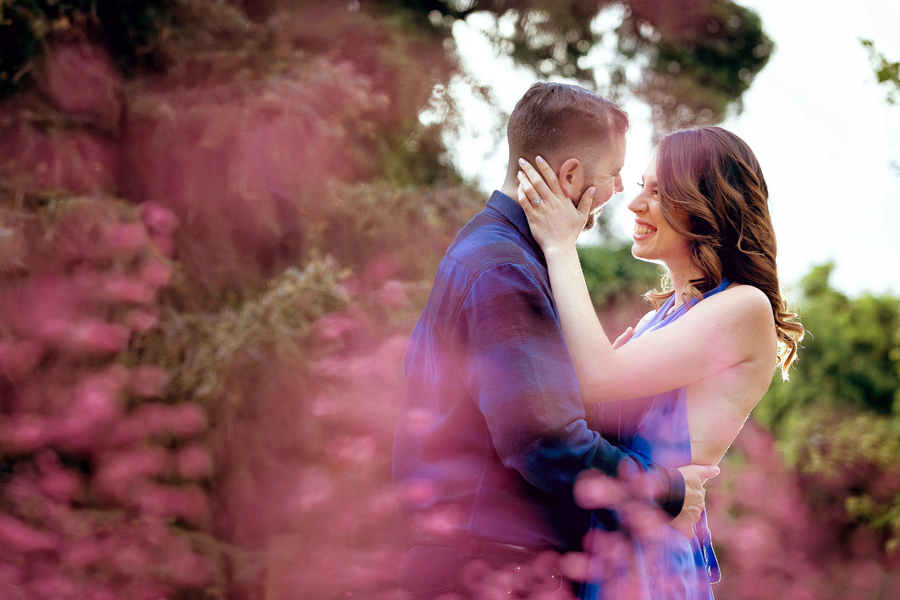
[{"x": 511, "y": 189}]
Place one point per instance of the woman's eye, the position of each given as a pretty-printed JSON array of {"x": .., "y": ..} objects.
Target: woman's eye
[{"x": 640, "y": 184}]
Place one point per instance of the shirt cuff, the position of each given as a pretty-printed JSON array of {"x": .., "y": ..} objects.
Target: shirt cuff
[{"x": 672, "y": 500}]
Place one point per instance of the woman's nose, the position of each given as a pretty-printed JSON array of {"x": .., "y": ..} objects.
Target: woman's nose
[{"x": 637, "y": 204}]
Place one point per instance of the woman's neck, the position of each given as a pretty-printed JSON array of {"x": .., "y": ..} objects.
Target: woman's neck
[{"x": 681, "y": 275}]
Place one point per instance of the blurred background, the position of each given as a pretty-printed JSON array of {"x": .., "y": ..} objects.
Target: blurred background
[{"x": 219, "y": 220}]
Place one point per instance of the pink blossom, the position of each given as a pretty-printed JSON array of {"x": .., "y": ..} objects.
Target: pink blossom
[
  {"x": 158, "y": 219},
  {"x": 164, "y": 244},
  {"x": 11, "y": 575},
  {"x": 156, "y": 274},
  {"x": 381, "y": 266},
  {"x": 19, "y": 537},
  {"x": 95, "y": 336},
  {"x": 150, "y": 418},
  {"x": 156, "y": 500},
  {"x": 18, "y": 359},
  {"x": 128, "y": 236},
  {"x": 117, "y": 472},
  {"x": 419, "y": 421},
  {"x": 24, "y": 433},
  {"x": 51, "y": 586},
  {"x": 142, "y": 320},
  {"x": 313, "y": 490},
  {"x": 60, "y": 485},
  {"x": 192, "y": 503},
  {"x": 149, "y": 381},
  {"x": 334, "y": 326},
  {"x": 193, "y": 462},
  {"x": 130, "y": 559},
  {"x": 186, "y": 419},
  {"x": 118, "y": 288},
  {"x": 190, "y": 569},
  {"x": 81, "y": 79},
  {"x": 392, "y": 293},
  {"x": 356, "y": 450},
  {"x": 83, "y": 553},
  {"x": 598, "y": 491}
]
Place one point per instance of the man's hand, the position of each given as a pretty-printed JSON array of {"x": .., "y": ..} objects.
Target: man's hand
[{"x": 695, "y": 476}]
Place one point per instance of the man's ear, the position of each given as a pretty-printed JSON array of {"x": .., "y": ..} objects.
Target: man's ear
[{"x": 571, "y": 177}]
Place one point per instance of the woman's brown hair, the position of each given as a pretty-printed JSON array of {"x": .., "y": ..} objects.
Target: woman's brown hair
[{"x": 712, "y": 192}]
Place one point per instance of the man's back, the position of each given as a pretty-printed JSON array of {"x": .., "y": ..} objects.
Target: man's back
[{"x": 491, "y": 433}]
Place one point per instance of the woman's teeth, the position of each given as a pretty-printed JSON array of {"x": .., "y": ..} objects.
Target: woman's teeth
[{"x": 643, "y": 230}]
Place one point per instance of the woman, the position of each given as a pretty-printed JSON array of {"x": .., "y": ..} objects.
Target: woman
[{"x": 680, "y": 389}]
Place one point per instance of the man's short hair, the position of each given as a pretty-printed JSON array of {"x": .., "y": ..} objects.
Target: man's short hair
[{"x": 553, "y": 119}]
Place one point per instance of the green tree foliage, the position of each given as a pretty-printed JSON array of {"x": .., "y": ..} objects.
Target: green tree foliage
[
  {"x": 886, "y": 72},
  {"x": 129, "y": 28},
  {"x": 612, "y": 274},
  {"x": 850, "y": 358},
  {"x": 838, "y": 419},
  {"x": 696, "y": 59}
]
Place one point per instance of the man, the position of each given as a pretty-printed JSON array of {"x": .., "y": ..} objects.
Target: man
[{"x": 492, "y": 435}]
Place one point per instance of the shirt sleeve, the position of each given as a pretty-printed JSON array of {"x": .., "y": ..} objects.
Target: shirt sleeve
[{"x": 516, "y": 365}]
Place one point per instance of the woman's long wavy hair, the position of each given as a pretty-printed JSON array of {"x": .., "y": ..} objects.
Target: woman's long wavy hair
[{"x": 712, "y": 192}]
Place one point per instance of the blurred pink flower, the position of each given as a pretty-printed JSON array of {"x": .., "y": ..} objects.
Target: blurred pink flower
[
  {"x": 190, "y": 569},
  {"x": 164, "y": 244},
  {"x": 155, "y": 500},
  {"x": 60, "y": 485},
  {"x": 392, "y": 293},
  {"x": 81, "y": 554},
  {"x": 149, "y": 418},
  {"x": 356, "y": 450},
  {"x": 130, "y": 560},
  {"x": 51, "y": 586},
  {"x": 21, "y": 538},
  {"x": 186, "y": 420},
  {"x": 381, "y": 266},
  {"x": 156, "y": 274},
  {"x": 24, "y": 433},
  {"x": 149, "y": 381},
  {"x": 313, "y": 489},
  {"x": 158, "y": 219},
  {"x": 81, "y": 80},
  {"x": 18, "y": 359},
  {"x": 598, "y": 491},
  {"x": 118, "y": 472},
  {"x": 193, "y": 462},
  {"x": 419, "y": 493},
  {"x": 11, "y": 575},
  {"x": 128, "y": 236},
  {"x": 119, "y": 288},
  {"x": 334, "y": 326},
  {"x": 95, "y": 336},
  {"x": 142, "y": 320}
]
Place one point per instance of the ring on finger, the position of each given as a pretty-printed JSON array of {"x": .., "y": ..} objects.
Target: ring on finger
[{"x": 536, "y": 201}]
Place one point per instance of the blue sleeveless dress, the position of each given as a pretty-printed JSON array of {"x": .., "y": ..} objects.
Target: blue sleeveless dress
[{"x": 664, "y": 564}]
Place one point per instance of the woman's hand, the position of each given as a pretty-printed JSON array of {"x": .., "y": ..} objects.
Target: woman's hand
[{"x": 554, "y": 219}]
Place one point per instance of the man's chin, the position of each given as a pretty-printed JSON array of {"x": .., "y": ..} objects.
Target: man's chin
[{"x": 591, "y": 220}]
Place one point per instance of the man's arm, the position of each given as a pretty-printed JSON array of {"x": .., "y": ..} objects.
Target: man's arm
[{"x": 517, "y": 367}]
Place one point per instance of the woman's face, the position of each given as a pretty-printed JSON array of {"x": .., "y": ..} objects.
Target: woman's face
[{"x": 654, "y": 238}]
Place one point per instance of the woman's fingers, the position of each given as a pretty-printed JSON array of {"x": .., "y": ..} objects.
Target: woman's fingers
[
  {"x": 586, "y": 202},
  {"x": 620, "y": 341},
  {"x": 525, "y": 186},
  {"x": 540, "y": 185},
  {"x": 549, "y": 176}
]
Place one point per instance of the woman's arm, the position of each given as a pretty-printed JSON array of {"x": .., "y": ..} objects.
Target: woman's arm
[{"x": 723, "y": 330}]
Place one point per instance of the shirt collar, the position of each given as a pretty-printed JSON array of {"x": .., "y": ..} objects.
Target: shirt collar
[{"x": 502, "y": 206}]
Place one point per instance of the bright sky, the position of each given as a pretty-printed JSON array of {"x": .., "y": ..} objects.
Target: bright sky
[{"x": 828, "y": 142}]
